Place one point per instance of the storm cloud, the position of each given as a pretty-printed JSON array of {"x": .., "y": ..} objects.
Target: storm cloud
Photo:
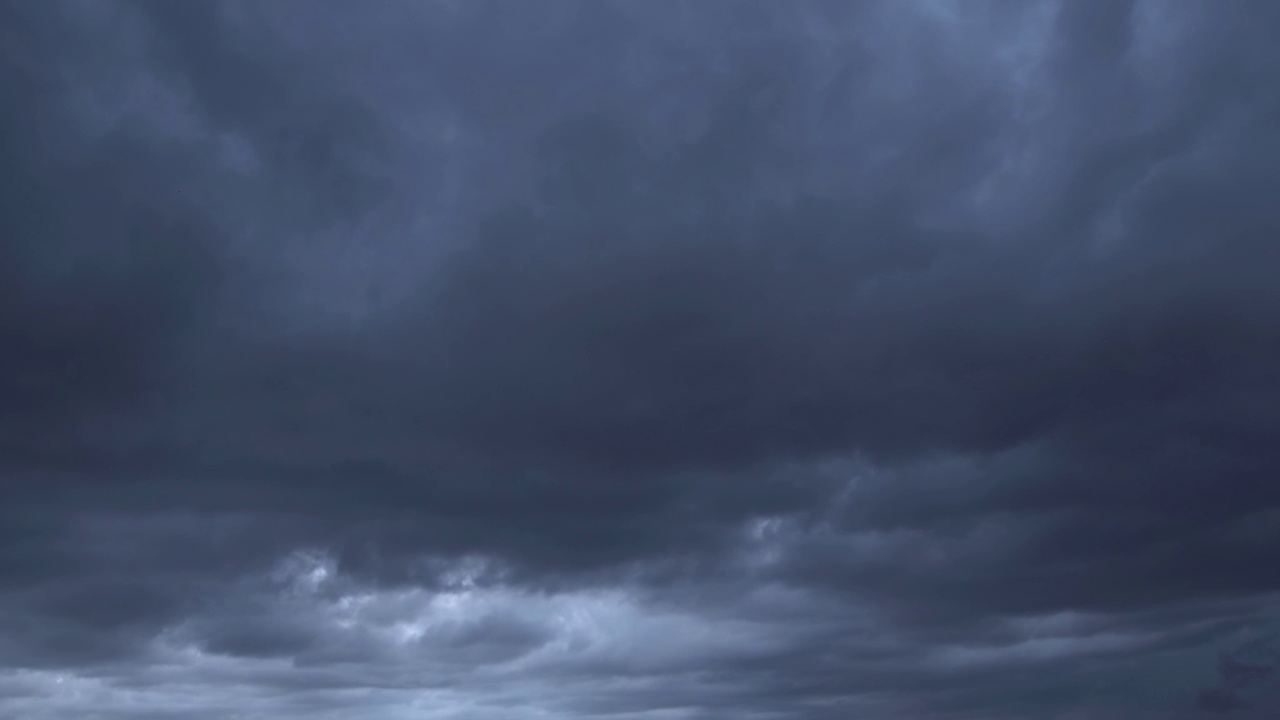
[{"x": 676, "y": 360}]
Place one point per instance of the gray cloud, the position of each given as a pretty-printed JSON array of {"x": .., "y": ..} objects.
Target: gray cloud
[{"x": 714, "y": 360}]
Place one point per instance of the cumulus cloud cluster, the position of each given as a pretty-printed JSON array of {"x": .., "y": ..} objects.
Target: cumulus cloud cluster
[{"x": 642, "y": 360}]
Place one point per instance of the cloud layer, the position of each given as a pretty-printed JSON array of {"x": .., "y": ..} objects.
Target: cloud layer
[{"x": 663, "y": 360}]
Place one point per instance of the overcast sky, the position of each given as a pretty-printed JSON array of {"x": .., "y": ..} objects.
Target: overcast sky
[{"x": 646, "y": 360}]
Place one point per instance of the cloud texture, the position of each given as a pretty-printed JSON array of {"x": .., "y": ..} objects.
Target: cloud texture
[{"x": 664, "y": 360}]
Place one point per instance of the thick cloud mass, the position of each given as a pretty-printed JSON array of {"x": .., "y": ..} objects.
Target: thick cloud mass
[{"x": 663, "y": 360}]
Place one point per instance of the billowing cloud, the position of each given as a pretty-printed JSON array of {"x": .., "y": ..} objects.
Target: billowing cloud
[{"x": 682, "y": 360}]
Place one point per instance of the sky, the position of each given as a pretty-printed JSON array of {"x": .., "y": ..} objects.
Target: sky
[{"x": 715, "y": 360}]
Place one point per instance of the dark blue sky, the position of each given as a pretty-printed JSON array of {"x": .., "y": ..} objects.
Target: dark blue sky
[{"x": 702, "y": 360}]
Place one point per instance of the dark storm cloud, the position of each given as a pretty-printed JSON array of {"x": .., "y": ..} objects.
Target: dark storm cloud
[
  {"x": 731, "y": 359},
  {"x": 100, "y": 278}
]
